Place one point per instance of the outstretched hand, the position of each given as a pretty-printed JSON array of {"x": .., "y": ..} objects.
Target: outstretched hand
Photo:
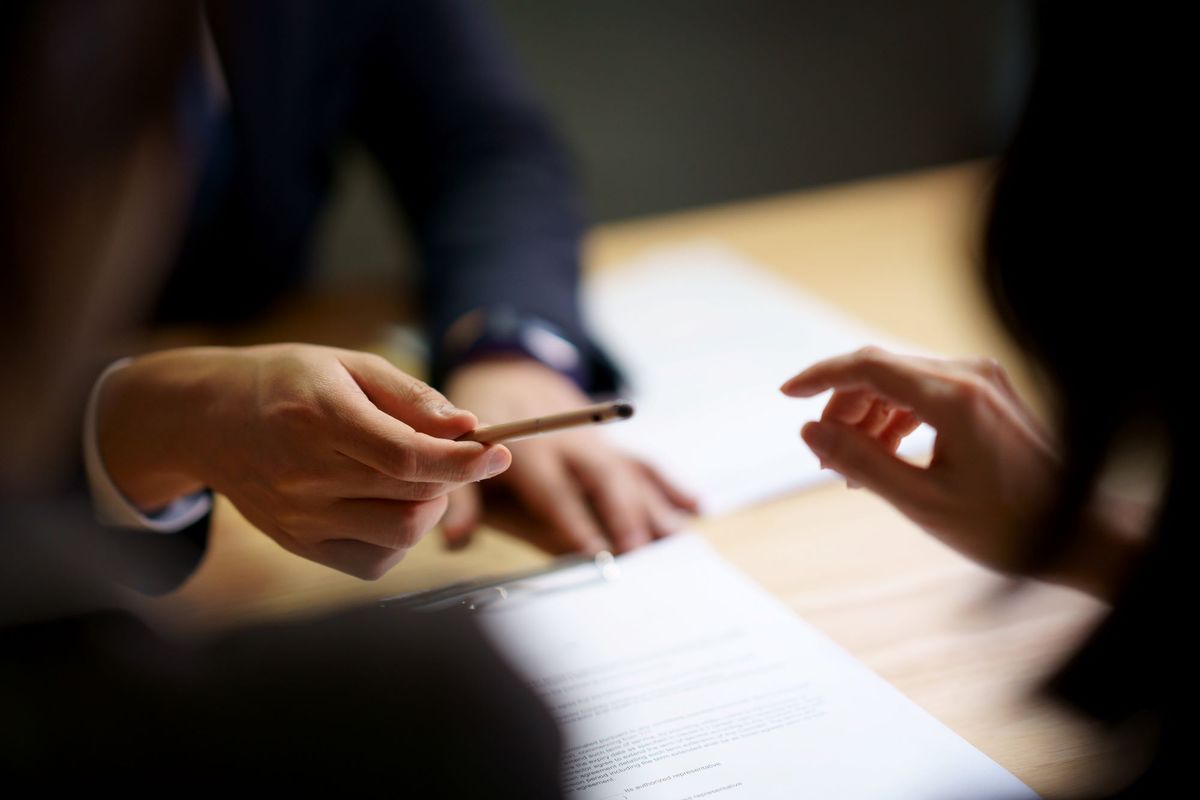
[
  {"x": 994, "y": 469},
  {"x": 336, "y": 455}
]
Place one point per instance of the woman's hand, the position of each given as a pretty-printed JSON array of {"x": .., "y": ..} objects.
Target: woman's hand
[
  {"x": 994, "y": 469},
  {"x": 337, "y": 455},
  {"x": 583, "y": 494}
]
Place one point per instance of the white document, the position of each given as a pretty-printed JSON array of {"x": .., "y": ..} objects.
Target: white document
[
  {"x": 705, "y": 338},
  {"x": 680, "y": 679}
]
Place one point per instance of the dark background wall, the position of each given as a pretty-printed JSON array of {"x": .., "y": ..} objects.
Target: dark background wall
[
  {"x": 670, "y": 104},
  {"x": 676, "y": 103}
]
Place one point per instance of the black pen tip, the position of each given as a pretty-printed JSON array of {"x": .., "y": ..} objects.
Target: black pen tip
[{"x": 624, "y": 410}]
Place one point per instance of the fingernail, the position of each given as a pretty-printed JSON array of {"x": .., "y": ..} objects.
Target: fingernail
[
  {"x": 499, "y": 461},
  {"x": 819, "y": 437},
  {"x": 448, "y": 410}
]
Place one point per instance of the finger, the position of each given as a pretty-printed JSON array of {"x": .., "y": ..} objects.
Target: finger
[
  {"x": 381, "y": 487},
  {"x": 914, "y": 383},
  {"x": 462, "y": 516},
  {"x": 409, "y": 400},
  {"x": 383, "y": 523},
  {"x": 549, "y": 491},
  {"x": 353, "y": 480},
  {"x": 873, "y": 421},
  {"x": 617, "y": 496},
  {"x": 861, "y": 459},
  {"x": 848, "y": 407},
  {"x": 991, "y": 370},
  {"x": 366, "y": 561},
  {"x": 876, "y": 417},
  {"x": 677, "y": 496},
  {"x": 664, "y": 519},
  {"x": 391, "y": 447},
  {"x": 899, "y": 425},
  {"x": 360, "y": 559}
]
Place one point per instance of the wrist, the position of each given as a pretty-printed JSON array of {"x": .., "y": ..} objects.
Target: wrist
[
  {"x": 1109, "y": 546},
  {"x": 149, "y": 418}
]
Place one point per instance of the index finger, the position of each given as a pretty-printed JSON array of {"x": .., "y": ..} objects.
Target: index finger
[
  {"x": 909, "y": 382},
  {"x": 387, "y": 445},
  {"x": 404, "y": 397}
]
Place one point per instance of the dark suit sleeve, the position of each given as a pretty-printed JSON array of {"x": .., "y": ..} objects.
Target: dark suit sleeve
[
  {"x": 426, "y": 85},
  {"x": 477, "y": 166},
  {"x": 147, "y": 561}
]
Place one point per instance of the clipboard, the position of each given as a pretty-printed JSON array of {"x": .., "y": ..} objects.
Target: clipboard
[{"x": 474, "y": 596}]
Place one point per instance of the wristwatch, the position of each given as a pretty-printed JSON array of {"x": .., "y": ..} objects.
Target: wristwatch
[{"x": 486, "y": 332}]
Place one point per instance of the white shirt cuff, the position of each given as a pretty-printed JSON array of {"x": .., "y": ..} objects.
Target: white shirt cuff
[{"x": 112, "y": 507}]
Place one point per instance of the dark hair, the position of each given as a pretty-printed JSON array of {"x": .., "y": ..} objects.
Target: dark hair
[{"x": 1083, "y": 260}]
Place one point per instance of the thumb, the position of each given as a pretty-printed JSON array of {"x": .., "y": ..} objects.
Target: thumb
[
  {"x": 462, "y": 516},
  {"x": 409, "y": 400},
  {"x": 861, "y": 458}
]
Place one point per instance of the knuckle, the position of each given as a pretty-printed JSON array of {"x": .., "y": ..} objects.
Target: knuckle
[
  {"x": 463, "y": 470},
  {"x": 374, "y": 569},
  {"x": 877, "y": 369},
  {"x": 422, "y": 392},
  {"x": 973, "y": 397},
  {"x": 871, "y": 354},
  {"x": 965, "y": 390},
  {"x": 425, "y": 395},
  {"x": 378, "y": 362},
  {"x": 961, "y": 393},
  {"x": 989, "y": 368},
  {"x": 414, "y": 522},
  {"x": 422, "y": 492},
  {"x": 404, "y": 462}
]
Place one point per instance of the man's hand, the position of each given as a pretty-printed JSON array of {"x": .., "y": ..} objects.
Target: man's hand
[
  {"x": 337, "y": 455},
  {"x": 584, "y": 494}
]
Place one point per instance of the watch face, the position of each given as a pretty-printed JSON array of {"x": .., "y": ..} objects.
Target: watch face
[
  {"x": 482, "y": 333},
  {"x": 551, "y": 349}
]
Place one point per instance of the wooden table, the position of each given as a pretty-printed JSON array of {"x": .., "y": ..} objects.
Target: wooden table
[{"x": 899, "y": 253}]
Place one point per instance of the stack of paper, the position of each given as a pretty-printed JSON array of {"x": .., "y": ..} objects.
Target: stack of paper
[
  {"x": 705, "y": 338},
  {"x": 677, "y": 678}
]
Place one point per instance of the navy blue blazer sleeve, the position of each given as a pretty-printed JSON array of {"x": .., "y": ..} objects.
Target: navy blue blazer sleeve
[
  {"x": 479, "y": 169},
  {"x": 428, "y": 87}
]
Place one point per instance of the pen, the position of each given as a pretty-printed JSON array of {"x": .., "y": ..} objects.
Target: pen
[{"x": 525, "y": 428}]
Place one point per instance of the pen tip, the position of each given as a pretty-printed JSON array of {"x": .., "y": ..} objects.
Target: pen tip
[{"x": 624, "y": 410}]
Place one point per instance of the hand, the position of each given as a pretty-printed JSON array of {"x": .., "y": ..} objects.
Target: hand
[
  {"x": 585, "y": 495},
  {"x": 994, "y": 469},
  {"x": 337, "y": 455}
]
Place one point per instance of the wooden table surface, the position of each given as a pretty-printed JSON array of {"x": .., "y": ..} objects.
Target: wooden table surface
[{"x": 899, "y": 253}]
